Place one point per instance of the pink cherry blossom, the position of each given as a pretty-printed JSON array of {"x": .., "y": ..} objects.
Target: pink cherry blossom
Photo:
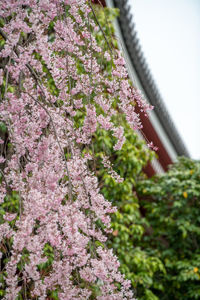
[{"x": 52, "y": 113}]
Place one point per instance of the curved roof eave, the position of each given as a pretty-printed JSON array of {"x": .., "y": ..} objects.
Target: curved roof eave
[{"x": 138, "y": 61}]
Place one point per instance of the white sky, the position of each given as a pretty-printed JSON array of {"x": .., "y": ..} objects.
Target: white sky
[{"x": 169, "y": 33}]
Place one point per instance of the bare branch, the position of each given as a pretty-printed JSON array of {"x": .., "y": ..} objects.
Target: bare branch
[
  {"x": 100, "y": 28},
  {"x": 8, "y": 189}
]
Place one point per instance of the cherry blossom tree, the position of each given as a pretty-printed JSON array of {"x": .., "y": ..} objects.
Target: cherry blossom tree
[{"x": 58, "y": 87}]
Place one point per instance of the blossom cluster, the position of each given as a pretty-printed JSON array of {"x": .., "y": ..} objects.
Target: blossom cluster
[{"x": 55, "y": 97}]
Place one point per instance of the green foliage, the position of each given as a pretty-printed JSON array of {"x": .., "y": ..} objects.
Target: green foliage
[
  {"x": 137, "y": 263},
  {"x": 172, "y": 206},
  {"x": 11, "y": 205},
  {"x": 105, "y": 18},
  {"x": 3, "y": 128}
]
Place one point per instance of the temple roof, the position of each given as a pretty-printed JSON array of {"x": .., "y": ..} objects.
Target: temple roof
[{"x": 139, "y": 63}]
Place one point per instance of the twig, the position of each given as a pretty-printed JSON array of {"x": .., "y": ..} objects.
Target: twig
[
  {"x": 100, "y": 28},
  {"x": 8, "y": 189},
  {"x": 3, "y": 34},
  {"x": 7, "y": 74}
]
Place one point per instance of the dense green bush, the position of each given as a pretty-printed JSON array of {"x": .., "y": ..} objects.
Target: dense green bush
[
  {"x": 137, "y": 263},
  {"x": 172, "y": 205}
]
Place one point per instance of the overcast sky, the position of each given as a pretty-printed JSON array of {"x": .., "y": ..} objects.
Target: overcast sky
[{"x": 169, "y": 32}]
